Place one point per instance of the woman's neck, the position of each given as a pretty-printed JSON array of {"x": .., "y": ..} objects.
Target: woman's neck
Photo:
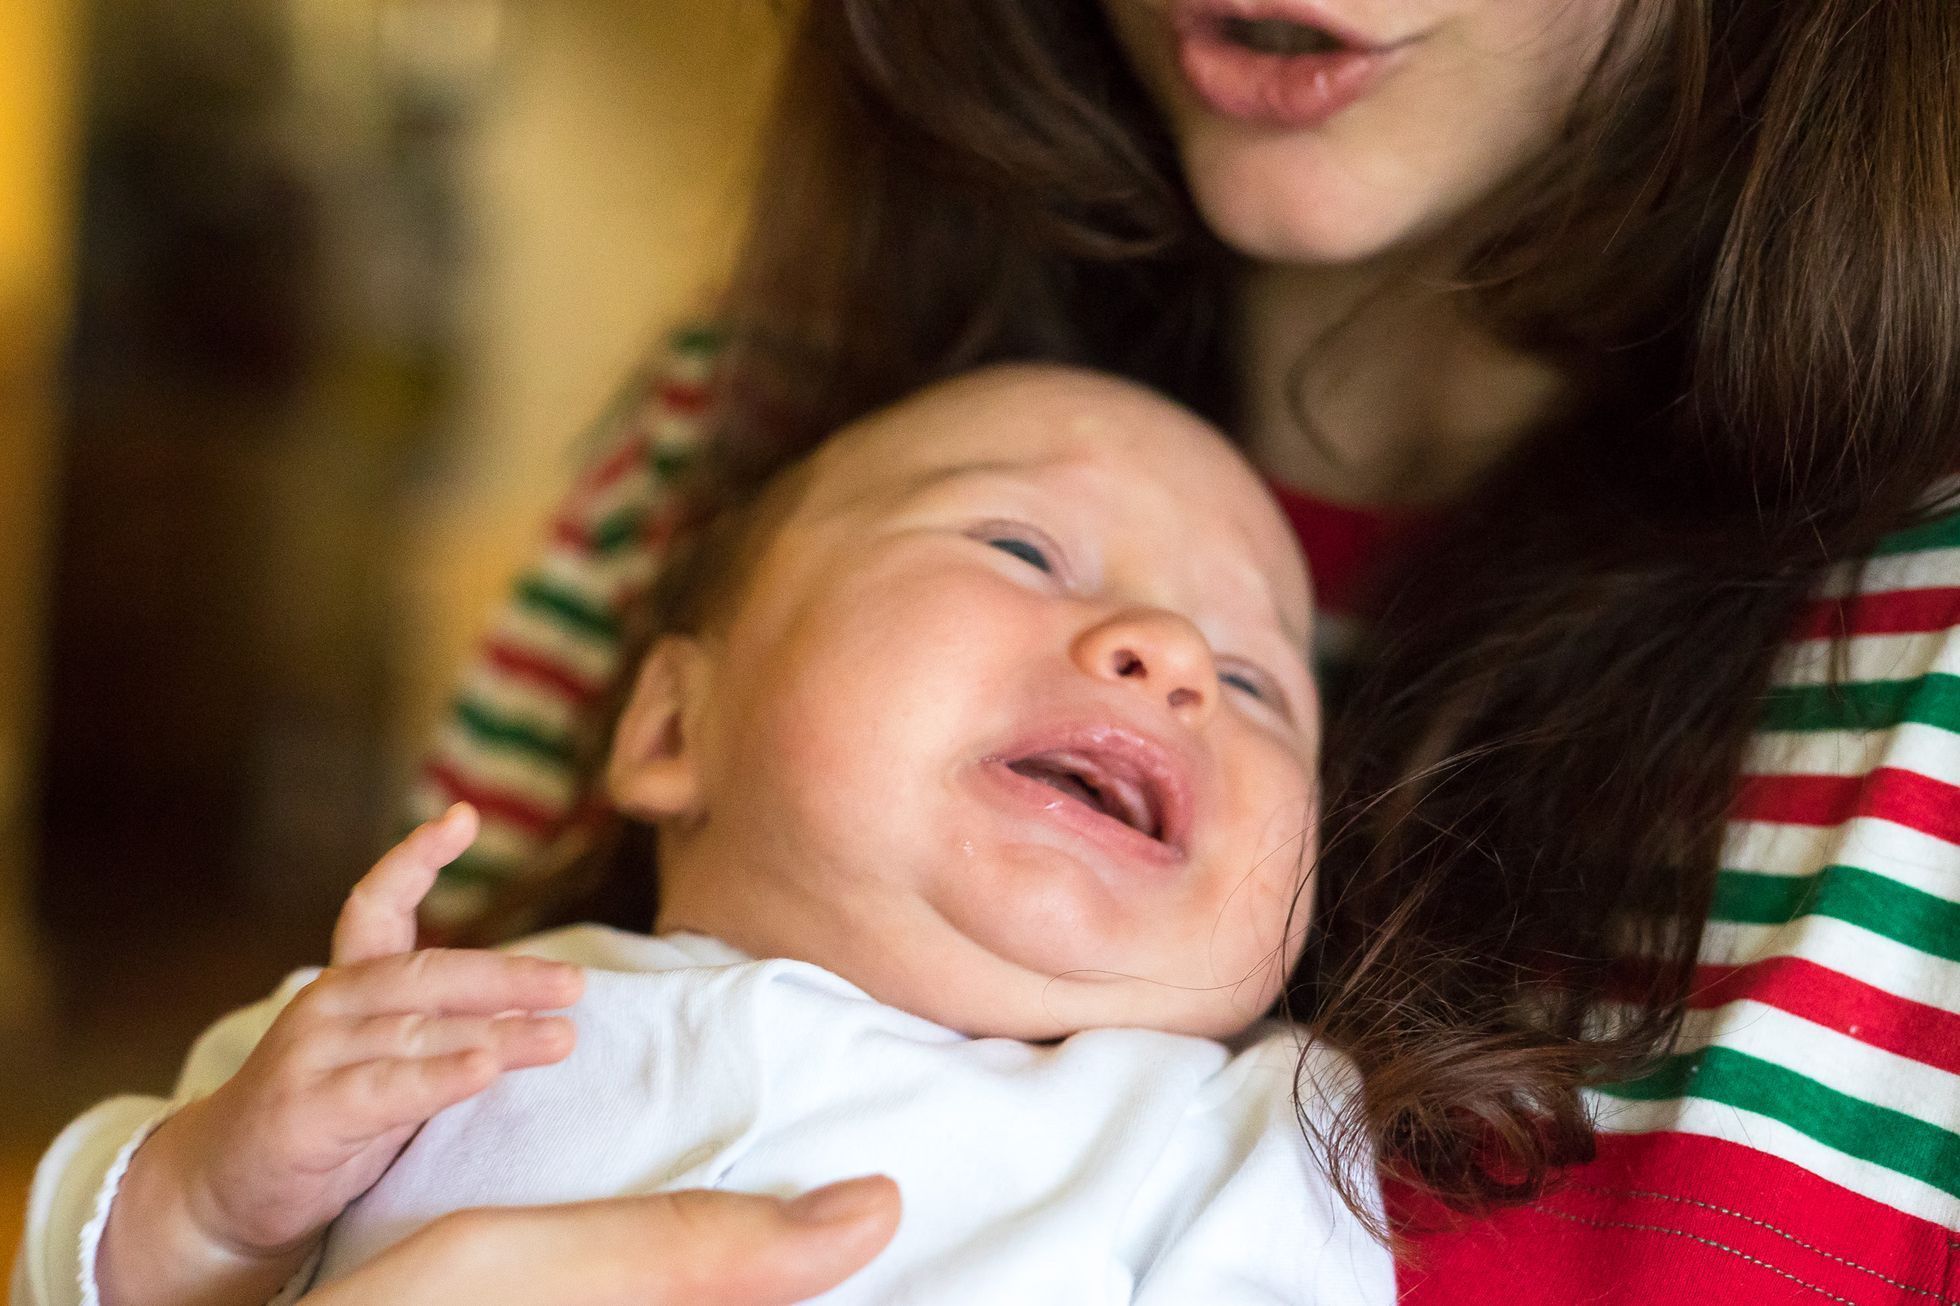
[{"x": 1371, "y": 385}]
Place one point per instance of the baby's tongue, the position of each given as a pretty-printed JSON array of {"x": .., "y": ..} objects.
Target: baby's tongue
[{"x": 1061, "y": 781}]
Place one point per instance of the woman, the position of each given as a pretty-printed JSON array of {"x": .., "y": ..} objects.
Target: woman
[{"x": 1608, "y": 349}]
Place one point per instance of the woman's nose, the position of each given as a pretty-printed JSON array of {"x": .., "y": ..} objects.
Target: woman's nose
[{"x": 1159, "y": 654}]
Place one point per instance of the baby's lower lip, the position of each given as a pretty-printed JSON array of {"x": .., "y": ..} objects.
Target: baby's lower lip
[{"x": 1033, "y": 799}]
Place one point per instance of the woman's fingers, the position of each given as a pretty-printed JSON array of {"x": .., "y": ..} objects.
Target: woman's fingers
[
  {"x": 450, "y": 981},
  {"x": 378, "y": 919},
  {"x": 668, "y": 1249}
]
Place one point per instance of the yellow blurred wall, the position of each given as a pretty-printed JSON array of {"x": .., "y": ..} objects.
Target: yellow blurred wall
[
  {"x": 610, "y": 176},
  {"x": 37, "y": 146}
]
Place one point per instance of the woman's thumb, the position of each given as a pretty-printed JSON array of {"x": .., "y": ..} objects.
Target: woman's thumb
[{"x": 775, "y": 1253}]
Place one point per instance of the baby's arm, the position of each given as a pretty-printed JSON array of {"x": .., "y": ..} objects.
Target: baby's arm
[{"x": 226, "y": 1199}]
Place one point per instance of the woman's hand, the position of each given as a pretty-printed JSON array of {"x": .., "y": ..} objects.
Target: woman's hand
[
  {"x": 669, "y": 1249},
  {"x": 227, "y": 1196}
]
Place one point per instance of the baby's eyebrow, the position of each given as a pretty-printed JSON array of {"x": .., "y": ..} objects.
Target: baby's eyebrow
[{"x": 932, "y": 478}]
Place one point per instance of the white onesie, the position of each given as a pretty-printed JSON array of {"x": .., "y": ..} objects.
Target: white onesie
[{"x": 1119, "y": 1165}]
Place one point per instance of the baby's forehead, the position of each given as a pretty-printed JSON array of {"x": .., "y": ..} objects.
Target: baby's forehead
[
  {"x": 1089, "y": 441},
  {"x": 1027, "y": 420}
]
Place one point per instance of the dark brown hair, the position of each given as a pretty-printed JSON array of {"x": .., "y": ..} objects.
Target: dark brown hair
[{"x": 1744, "y": 249}]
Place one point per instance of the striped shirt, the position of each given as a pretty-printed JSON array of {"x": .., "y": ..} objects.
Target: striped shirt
[{"x": 1803, "y": 1144}]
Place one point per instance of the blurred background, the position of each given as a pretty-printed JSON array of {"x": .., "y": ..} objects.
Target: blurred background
[{"x": 304, "y": 305}]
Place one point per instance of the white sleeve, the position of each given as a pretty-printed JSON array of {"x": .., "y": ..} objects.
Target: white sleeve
[
  {"x": 1258, "y": 1221},
  {"x": 76, "y": 1181}
]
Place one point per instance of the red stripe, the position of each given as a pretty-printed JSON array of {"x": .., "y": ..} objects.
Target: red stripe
[
  {"x": 1346, "y": 545},
  {"x": 540, "y": 670},
  {"x": 568, "y": 533},
  {"x": 686, "y": 399},
  {"x": 603, "y": 474},
  {"x": 496, "y": 805},
  {"x": 1921, "y": 802},
  {"x": 1678, "y": 1218},
  {"x": 1825, "y": 997},
  {"x": 1900, "y": 612}
]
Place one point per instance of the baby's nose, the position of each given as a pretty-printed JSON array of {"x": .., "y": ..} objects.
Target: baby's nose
[{"x": 1158, "y": 653}]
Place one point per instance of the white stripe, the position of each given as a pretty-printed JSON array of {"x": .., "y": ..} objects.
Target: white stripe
[
  {"x": 1910, "y": 746},
  {"x": 1929, "y": 569},
  {"x": 1761, "y": 1133},
  {"x": 528, "y": 704},
  {"x": 1850, "y": 950},
  {"x": 684, "y": 367},
  {"x": 1896, "y": 852},
  {"x": 518, "y": 774},
  {"x": 634, "y": 490},
  {"x": 1837, "y": 1061},
  {"x": 1869, "y": 658},
  {"x": 590, "y": 657},
  {"x": 601, "y": 581},
  {"x": 676, "y": 432}
]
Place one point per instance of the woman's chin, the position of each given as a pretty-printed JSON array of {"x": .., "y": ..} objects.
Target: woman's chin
[{"x": 1311, "y": 215}]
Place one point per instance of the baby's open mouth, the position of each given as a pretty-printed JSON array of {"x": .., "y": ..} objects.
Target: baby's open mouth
[{"x": 1101, "y": 784}]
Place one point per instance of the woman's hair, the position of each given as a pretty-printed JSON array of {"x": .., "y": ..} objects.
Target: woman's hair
[{"x": 1744, "y": 250}]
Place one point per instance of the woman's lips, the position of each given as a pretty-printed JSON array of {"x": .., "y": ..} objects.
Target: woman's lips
[{"x": 1285, "y": 90}]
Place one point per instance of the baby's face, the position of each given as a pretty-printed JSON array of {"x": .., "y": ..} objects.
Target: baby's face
[{"x": 1012, "y": 724}]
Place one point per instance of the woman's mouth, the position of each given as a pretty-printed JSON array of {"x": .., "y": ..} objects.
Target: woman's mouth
[{"x": 1274, "y": 63}]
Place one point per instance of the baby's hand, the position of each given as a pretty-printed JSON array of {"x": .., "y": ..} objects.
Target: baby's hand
[{"x": 381, "y": 1041}]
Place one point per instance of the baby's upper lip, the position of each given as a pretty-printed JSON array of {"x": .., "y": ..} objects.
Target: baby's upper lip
[{"x": 1138, "y": 778}]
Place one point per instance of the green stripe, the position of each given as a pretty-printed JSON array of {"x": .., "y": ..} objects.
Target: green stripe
[
  {"x": 671, "y": 462},
  {"x": 616, "y": 531},
  {"x": 475, "y": 871},
  {"x": 1872, "y": 1133},
  {"x": 1906, "y": 915},
  {"x": 566, "y": 608},
  {"x": 1940, "y": 533},
  {"x": 1932, "y": 700},
  {"x": 498, "y": 731},
  {"x": 697, "y": 340}
]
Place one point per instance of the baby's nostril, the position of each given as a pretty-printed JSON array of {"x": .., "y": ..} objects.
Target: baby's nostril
[
  {"x": 1182, "y": 697},
  {"x": 1128, "y": 663}
]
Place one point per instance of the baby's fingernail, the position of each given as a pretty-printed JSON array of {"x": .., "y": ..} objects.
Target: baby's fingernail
[
  {"x": 837, "y": 1203},
  {"x": 566, "y": 977}
]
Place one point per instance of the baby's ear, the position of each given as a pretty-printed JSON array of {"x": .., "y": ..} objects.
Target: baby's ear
[{"x": 653, "y": 772}]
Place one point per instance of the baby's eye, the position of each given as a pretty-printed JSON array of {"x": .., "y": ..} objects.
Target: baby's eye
[
  {"x": 1026, "y": 542},
  {"x": 1257, "y": 685},
  {"x": 1026, "y": 550},
  {"x": 1243, "y": 683}
]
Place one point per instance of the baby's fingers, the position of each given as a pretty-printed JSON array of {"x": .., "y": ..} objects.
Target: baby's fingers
[
  {"x": 374, "y": 1097},
  {"x": 378, "y": 919},
  {"x": 514, "y": 1041},
  {"x": 444, "y": 981}
]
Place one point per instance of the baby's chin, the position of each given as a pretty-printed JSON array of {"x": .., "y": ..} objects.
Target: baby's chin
[{"x": 1004, "y": 1000}]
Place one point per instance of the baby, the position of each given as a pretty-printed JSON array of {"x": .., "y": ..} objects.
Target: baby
[{"x": 983, "y": 773}]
